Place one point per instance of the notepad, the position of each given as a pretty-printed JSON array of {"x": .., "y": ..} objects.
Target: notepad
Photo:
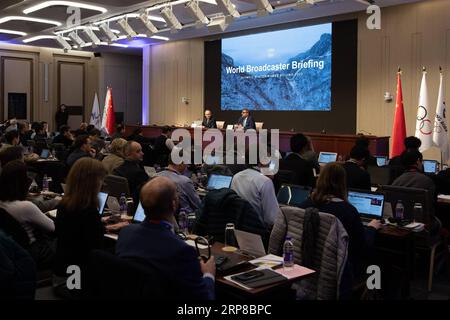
[
  {"x": 294, "y": 272},
  {"x": 268, "y": 261}
]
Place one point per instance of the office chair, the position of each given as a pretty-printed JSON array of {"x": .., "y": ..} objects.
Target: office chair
[{"x": 115, "y": 186}]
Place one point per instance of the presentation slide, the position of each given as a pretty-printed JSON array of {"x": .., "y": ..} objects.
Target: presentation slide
[{"x": 280, "y": 70}]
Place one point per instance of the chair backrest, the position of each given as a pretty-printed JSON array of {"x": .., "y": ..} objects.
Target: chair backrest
[
  {"x": 259, "y": 125},
  {"x": 111, "y": 277},
  {"x": 410, "y": 196},
  {"x": 31, "y": 143},
  {"x": 283, "y": 177},
  {"x": 14, "y": 229},
  {"x": 220, "y": 124},
  {"x": 330, "y": 251},
  {"x": 116, "y": 185},
  {"x": 379, "y": 175}
]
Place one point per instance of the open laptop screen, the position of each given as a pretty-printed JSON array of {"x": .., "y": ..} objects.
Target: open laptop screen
[
  {"x": 293, "y": 195},
  {"x": 368, "y": 204},
  {"x": 430, "y": 166},
  {"x": 381, "y": 161},
  {"x": 327, "y": 157},
  {"x": 139, "y": 215},
  {"x": 102, "y": 197},
  {"x": 45, "y": 154},
  {"x": 218, "y": 182}
]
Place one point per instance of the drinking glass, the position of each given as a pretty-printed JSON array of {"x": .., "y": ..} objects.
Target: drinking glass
[{"x": 230, "y": 240}]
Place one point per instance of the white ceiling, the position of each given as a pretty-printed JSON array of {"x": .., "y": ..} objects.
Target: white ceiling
[{"x": 285, "y": 11}]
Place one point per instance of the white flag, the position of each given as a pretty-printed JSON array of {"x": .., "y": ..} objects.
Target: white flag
[
  {"x": 424, "y": 124},
  {"x": 105, "y": 112},
  {"x": 95, "y": 115},
  {"x": 440, "y": 135}
]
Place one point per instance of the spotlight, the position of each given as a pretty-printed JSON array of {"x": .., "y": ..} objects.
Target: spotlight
[
  {"x": 75, "y": 37},
  {"x": 127, "y": 28},
  {"x": 228, "y": 8},
  {"x": 264, "y": 7},
  {"x": 112, "y": 37},
  {"x": 148, "y": 24},
  {"x": 171, "y": 19},
  {"x": 66, "y": 46},
  {"x": 95, "y": 40},
  {"x": 218, "y": 25},
  {"x": 194, "y": 8}
]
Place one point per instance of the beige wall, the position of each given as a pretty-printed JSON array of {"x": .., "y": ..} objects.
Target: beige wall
[
  {"x": 16, "y": 77},
  {"x": 411, "y": 36},
  {"x": 176, "y": 71}
]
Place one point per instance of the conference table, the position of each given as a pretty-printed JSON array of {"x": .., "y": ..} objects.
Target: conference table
[{"x": 326, "y": 142}]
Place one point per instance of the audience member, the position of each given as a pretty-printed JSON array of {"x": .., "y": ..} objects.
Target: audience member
[
  {"x": 120, "y": 132},
  {"x": 79, "y": 228},
  {"x": 81, "y": 149},
  {"x": 357, "y": 176},
  {"x": 116, "y": 156},
  {"x": 370, "y": 160},
  {"x": 178, "y": 264},
  {"x": 330, "y": 196},
  {"x": 82, "y": 130},
  {"x": 64, "y": 137},
  {"x": 14, "y": 185},
  {"x": 164, "y": 146},
  {"x": 96, "y": 141},
  {"x": 11, "y": 140}
]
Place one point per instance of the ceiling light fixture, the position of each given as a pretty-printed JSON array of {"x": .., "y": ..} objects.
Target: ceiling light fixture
[
  {"x": 263, "y": 7},
  {"x": 194, "y": 9},
  {"x": 95, "y": 40},
  {"x": 148, "y": 24},
  {"x": 18, "y": 33},
  {"x": 171, "y": 19},
  {"x": 127, "y": 28},
  {"x": 75, "y": 37},
  {"x": 130, "y": 15},
  {"x": 77, "y": 28},
  {"x": 229, "y": 8},
  {"x": 218, "y": 25},
  {"x": 63, "y": 42},
  {"x": 109, "y": 33},
  {"x": 47, "y": 4},
  {"x": 19, "y": 18}
]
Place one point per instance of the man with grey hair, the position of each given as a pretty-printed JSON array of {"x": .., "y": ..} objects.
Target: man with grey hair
[{"x": 132, "y": 168}]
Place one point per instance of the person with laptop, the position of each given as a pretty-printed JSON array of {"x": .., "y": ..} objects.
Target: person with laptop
[
  {"x": 189, "y": 199},
  {"x": 295, "y": 162},
  {"x": 154, "y": 242},
  {"x": 79, "y": 228},
  {"x": 357, "y": 176},
  {"x": 330, "y": 196},
  {"x": 209, "y": 121}
]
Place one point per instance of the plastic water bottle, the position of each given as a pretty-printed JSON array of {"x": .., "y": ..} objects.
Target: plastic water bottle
[
  {"x": 288, "y": 253},
  {"x": 45, "y": 184},
  {"x": 183, "y": 222},
  {"x": 123, "y": 205},
  {"x": 399, "y": 210}
]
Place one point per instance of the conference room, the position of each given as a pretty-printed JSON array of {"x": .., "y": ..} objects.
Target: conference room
[{"x": 224, "y": 150}]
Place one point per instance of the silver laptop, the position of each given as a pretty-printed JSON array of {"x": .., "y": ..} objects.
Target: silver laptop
[{"x": 250, "y": 243}]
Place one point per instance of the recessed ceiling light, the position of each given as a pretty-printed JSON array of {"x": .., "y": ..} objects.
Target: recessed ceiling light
[
  {"x": 19, "y": 33},
  {"x": 47, "y": 4},
  {"x": 19, "y": 18}
]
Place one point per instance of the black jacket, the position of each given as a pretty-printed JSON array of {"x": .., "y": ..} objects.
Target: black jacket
[
  {"x": 209, "y": 124},
  {"x": 61, "y": 118},
  {"x": 135, "y": 175},
  {"x": 250, "y": 124},
  {"x": 224, "y": 206},
  {"x": 64, "y": 140},
  {"x": 357, "y": 178},
  {"x": 78, "y": 233},
  {"x": 304, "y": 175}
]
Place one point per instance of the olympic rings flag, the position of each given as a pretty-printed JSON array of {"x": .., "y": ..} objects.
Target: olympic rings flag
[
  {"x": 424, "y": 126},
  {"x": 440, "y": 135}
]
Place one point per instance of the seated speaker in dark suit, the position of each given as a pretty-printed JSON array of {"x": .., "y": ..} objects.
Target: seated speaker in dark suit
[
  {"x": 357, "y": 176},
  {"x": 246, "y": 120},
  {"x": 154, "y": 242},
  {"x": 209, "y": 121},
  {"x": 296, "y": 163}
]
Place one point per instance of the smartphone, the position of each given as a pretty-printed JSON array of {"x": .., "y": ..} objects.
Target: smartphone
[{"x": 249, "y": 275}]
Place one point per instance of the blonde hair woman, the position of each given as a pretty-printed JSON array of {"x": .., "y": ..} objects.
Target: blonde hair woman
[{"x": 117, "y": 154}]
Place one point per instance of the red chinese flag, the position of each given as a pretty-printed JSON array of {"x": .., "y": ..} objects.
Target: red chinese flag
[
  {"x": 399, "y": 129},
  {"x": 110, "y": 116}
]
